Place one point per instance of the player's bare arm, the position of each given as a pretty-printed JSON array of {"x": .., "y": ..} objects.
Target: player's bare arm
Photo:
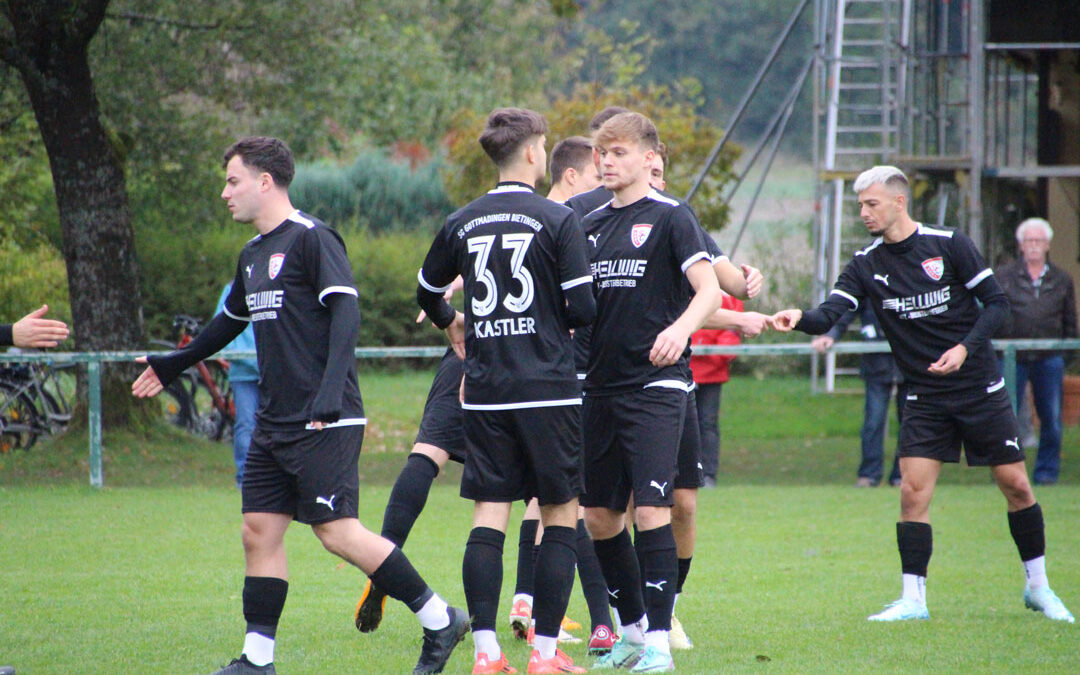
[
  {"x": 455, "y": 332},
  {"x": 671, "y": 342},
  {"x": 750, "y": 324},
  {"x": 731, "y": 279}
]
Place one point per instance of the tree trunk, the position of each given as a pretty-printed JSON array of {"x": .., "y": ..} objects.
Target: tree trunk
[{"x": 50, "y": 51}]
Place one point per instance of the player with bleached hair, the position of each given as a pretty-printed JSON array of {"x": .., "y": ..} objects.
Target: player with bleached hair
[{"x": 924, "y": 285}]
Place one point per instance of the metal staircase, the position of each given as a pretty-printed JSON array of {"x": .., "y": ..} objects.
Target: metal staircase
[{"x": 861, "y": 71}]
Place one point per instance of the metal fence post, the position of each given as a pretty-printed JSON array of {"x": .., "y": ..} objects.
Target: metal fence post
[{"x": 93, "y": 371}]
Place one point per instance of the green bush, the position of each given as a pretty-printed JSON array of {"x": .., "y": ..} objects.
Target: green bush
[
  {"x": 376, "y": 192},
  {"x": 33, "y": 276}
]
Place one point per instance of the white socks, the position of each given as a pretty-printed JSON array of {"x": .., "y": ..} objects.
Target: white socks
[
  {"x": 1036, "y": 572},
  {"x": 914, "y": 588},
  {"x": 484, "y": 642},
  {"x": 258, "y": 649},
  {"x": 433, "y": 614}
]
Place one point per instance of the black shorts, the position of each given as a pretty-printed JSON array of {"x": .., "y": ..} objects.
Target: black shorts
[
  {"x": 441, "y": 425},
  {"x": 631, "y": 447},
  {"x": 689, "y": 463},
  {"x": 310, "y": 475},
  {"x": 934, "y": 426},
  {"x": 523, "y": 453}
]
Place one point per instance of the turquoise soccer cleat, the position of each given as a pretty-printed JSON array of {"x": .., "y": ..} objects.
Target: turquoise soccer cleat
[{"x": 901, "y": 610}]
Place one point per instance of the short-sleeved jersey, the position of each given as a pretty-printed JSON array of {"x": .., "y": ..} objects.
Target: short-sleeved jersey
[
  {"x": 517, "y": 252},
  {"x": 585, "y": 203},
  {"x": 923, "y": 291},
  {"x": 282, "y": 280},
  {"x": 639, "y": 255}
]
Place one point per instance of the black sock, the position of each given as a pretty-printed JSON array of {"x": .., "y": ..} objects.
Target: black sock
[
  {"x": 622, "y": 576},
  {"x": 592, "y": 579},
  {"x": 659, "y": 574},
  {"x": 554, "y": 578},
  {"x": 916, "y": 543},
  {"x": 400, "y": 580},
  {"x": 1028, "y": 531},
  {"x": 408, "y": 497},
  {"x": 481, "y": 575},
  {"x": 640, "y": 559},
  {"x": 684, "y": 570},
  {"x": 264, "y": 598},
  {"x": 526, "y": 561}
]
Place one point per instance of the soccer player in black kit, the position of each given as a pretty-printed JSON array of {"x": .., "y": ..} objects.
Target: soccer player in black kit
[
  {"x": 527, "y": 283},
  {"x": 293, "y": 280},
  {"x": 644, "y": 248},
  {"x": 922, "y": 284}
]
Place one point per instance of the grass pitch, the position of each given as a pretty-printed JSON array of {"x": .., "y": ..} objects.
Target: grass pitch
[{"x": 145, "y": 575}]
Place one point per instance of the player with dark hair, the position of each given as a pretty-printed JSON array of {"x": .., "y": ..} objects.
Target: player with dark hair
[
  {"x": 572, "y": 172},
  {"x": 527, "y": 284},
  {"x": 644, "y": 248},
  {"x": 924, "y": 285},
  {"x": 294, "y": 282}
]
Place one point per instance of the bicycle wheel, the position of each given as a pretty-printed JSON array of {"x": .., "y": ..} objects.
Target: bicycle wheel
[
  {"x": 178, "y": 406},
  {"x": 217, "y": 420},
  {"x": 20, "y": 421}
]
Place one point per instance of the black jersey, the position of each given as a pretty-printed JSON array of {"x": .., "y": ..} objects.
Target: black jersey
[
  {"x": 640, "y": 254},
  {"x": 585, "y": 203},
  {"x": 519, "y": 254},
  {"x": 281, "y": 281},
  {"x": 923, "y": 291}
]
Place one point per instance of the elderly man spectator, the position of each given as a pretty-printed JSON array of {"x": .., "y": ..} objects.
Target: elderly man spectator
[{"x": 1043, "y": 306}]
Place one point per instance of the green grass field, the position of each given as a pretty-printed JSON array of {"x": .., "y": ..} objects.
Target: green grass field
[{"x": 145, "y": 575}]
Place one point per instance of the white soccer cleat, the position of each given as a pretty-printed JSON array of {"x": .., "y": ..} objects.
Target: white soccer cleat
[
  {"x": 1046, "y": 601},
  {"x": 677, "y": 637},
  {"x": 901, "y": 610}
]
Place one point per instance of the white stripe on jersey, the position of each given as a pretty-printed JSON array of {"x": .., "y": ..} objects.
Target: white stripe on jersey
[
  {"x": 347, "y": 290},
  {"x": 567, "y": 285},
  {"x": 700, "y": 255},
  {"x": 519, "y": 406},
  {"x": 719, "y": 259},
  {"x": 995, "y": 386},
  {"x": 923, "y": 229},
  {"x": 297, "y": 217},
  {"x": 502, "y": 189},
  {"x": 433, "y": 289},
  {"x": 977, "y": 279},
  {"x": 233, "y": 316},
  {"x": 871, "y": 247},
  {"x": 671, "y": 384},
  {"x": 347, "y": 422},
  {"x": 604, "y": 205},
  {"x": 847, "y": 296},
  {"x": 657, "y": 197}
]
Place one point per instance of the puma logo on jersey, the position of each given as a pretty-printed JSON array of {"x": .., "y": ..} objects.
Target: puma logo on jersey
[
  {"x": 883, "y": 278},
  {"x": 248, "y": 270},
  {"x": 329, "y": 503},
  {"x": 1015, "y": 442},
  {"x": 594, "y": 238},
  {"x": 659, "y": 487},
  {"x": 658, "y": 585}
]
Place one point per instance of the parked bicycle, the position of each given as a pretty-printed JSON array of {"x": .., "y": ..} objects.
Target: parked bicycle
[
  {"x": 35, "y": 400},
  {"x": 200, "y": 400}
]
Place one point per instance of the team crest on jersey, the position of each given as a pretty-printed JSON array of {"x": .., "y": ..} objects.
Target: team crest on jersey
[
  {"x": 934, "y": 268},
  {"x": 639, "y": 233},
  {"x": 278, "y": 259}
]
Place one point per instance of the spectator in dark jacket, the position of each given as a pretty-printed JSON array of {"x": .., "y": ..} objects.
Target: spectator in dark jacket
[{"x": 1043, "y": 306}]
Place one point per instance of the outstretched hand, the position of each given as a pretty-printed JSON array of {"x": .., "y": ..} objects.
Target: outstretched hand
[
  {"x": 785, "y": 320},
  {"x": 35, "y": 332},
  {"x": 147, "y": 384},
  {"x": 754, "y": 323}
]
